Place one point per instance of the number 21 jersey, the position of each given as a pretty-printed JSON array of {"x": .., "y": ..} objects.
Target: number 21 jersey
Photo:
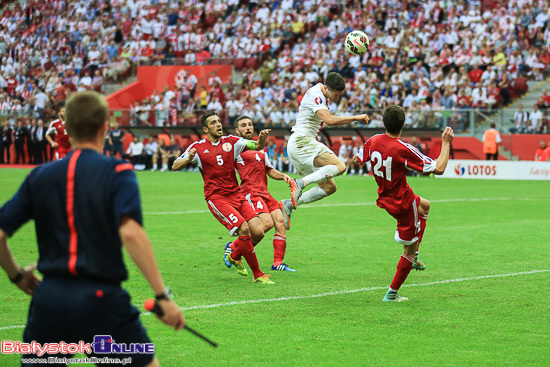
[{"x": 391, "y": 159}]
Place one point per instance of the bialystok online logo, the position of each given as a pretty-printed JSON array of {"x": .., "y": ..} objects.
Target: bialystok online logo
[{"x": 102, "y": 344}]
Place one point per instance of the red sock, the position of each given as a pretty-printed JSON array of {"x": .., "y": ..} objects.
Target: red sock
[
  {"x": 279, "y": 247},
  {"x": 403, "y": 269},
  {"x": 245, "y": 248},
  {"x": 233, "y": 246}
]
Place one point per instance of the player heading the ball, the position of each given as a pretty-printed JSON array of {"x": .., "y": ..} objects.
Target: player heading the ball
[{"x": 313, "y": 160}]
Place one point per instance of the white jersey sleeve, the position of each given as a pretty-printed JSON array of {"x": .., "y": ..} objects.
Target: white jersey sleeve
[
  {"x": 268, "y": 163},
  {"x": 195, "y": 159},
  {"x": 308, "y": 123},
  {"x": 51, "y": 129}
]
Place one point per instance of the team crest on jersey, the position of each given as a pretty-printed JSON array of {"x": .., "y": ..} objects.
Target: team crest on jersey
[
  {"x": 227, "y": 147},
  {"x": 318, "y": 100}
]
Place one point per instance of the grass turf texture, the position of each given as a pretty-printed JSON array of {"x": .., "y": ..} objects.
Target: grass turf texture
[{"x": 344, "y": 242}]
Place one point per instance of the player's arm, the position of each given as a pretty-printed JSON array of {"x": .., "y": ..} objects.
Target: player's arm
[
  {"x": 139, "y": 248},
  {"x": 443, "y": 158},
  {"x": 332, "y": 120},
  {"x": 261, "y": 142},
  {"x": 184, "y": 160},
  {"x": 51, "y": 141},
  {"x": 49, "y": 132},
  {"x": 278, "y": 175}
]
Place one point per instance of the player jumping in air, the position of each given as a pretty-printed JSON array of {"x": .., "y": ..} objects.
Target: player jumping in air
[
  {"x": 62, "y": 143},
  {"x": 253, "y": 167},
  {"x": 216, "y": 158},
  {"x": 313, "y": 160},
  {"x": 391, "y": 159}
]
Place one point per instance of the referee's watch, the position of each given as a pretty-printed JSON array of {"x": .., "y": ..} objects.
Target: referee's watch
[{"x": 166, "y": 294}]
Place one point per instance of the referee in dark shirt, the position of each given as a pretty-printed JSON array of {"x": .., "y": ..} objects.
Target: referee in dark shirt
[{"x": 85, "y": 208}]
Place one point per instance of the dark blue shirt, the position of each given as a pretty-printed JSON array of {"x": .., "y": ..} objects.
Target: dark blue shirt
[{"x": 77, "y": 204}]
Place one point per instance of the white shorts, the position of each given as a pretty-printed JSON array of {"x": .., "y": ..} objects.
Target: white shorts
[{"x": 302, "y": 150}]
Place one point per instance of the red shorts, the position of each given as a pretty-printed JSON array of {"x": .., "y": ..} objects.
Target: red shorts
[
  {"x": 231, "y": 211},
  {"x": 405, "y": 211},
  {"x": 61, "y": 152},
  {"x": 262, "y": 203}
]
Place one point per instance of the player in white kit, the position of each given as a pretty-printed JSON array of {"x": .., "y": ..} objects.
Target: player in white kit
[{"x": 313, "y": 160}]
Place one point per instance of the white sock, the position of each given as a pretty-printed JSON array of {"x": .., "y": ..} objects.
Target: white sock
[
  {"x": 165, "y": 166},
  {"x": 154, "y": 166},
  {"x": 321, "y": 175},
  {"x": 316, "y": 193}
]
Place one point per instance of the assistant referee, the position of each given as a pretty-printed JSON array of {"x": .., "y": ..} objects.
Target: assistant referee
[{"x": 85, "y": 208}]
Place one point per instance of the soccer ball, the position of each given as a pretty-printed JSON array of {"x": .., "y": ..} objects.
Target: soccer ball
[{"x": 357, "y": 42}]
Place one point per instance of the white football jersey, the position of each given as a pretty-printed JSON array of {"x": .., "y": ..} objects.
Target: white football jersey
[{"x": 308, "y": 123}]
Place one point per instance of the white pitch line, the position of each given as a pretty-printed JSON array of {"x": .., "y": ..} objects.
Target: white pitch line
[
  {"x": 363, "y": 204},
  {"x": 337, "y": 293}
]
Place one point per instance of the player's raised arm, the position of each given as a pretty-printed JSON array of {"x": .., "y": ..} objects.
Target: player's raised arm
[
  {"x": 443, "y": 158},
  {"x": 184, "y": 160},
  {"x": 261, "y": 142},
  {"x": 332, "y": 120}
]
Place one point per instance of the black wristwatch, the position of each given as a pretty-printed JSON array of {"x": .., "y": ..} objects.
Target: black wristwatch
[
  {"x": 19, "y": 276},
  {"x": 166, "y": 294}
]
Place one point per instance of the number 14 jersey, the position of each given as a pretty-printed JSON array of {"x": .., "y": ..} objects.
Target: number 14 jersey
[{"x": 391, "y": 159}]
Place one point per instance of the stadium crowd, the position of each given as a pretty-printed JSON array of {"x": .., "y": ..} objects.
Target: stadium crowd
[{"x": 428, "y": 56}]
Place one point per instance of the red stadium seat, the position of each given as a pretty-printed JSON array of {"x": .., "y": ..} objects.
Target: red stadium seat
[
  {"x": 239, "y": 64},
  {"x": 252, "y": 63}
]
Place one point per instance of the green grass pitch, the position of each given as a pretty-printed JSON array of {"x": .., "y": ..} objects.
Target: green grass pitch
[{"x": 483, "y": 300}]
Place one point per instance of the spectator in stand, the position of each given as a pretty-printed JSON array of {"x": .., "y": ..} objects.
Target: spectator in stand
[
  {"x": 134, "y": 154},
  {"x": 521, "y": 121},
  {"x": 273, "y": 152},
  {"x": 541, "y": 152},
  {"x": 535, "y": 120},
  {"x": 40, "y": 145},
  {"x": 150, "y": 149},
  {"x": 117, "y": 138},
  {"x": 19, "y": 142},
  {"x": 475, "y": 74},
  {"x": 234, "y": 108},
  {"x": 31, "y": 139},
  {"x": 97, "y": 82},
  {"x": 173, "y": 151},
  {"x": 491, "y": 141},
  {"x": 7, "y": 140},
  {"x": 159, "y": 156},
  {"x": 203, "y": 98}
]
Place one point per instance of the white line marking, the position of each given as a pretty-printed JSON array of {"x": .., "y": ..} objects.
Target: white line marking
[
  {"x": 337, "y": 293},
  {"x": 216, "y": 305},
  {"x": 366, "y": 204},
  {"x": 12, "y": 327}
]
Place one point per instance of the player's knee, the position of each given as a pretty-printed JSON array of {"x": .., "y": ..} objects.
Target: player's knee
[
  {"x": 268, "y": 224},
  {"x": 424, "y": 207},
  {"x": 257, "y": 234},
  {"x": 341, "y": 167}
]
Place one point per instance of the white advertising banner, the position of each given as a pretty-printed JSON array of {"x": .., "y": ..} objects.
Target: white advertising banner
[{"x": 497, "y": 170}]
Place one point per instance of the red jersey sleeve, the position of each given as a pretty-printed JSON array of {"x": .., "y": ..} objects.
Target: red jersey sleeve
[
  {"x": 363, "y": 153},
  {"x": 414, "y": 160}
]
